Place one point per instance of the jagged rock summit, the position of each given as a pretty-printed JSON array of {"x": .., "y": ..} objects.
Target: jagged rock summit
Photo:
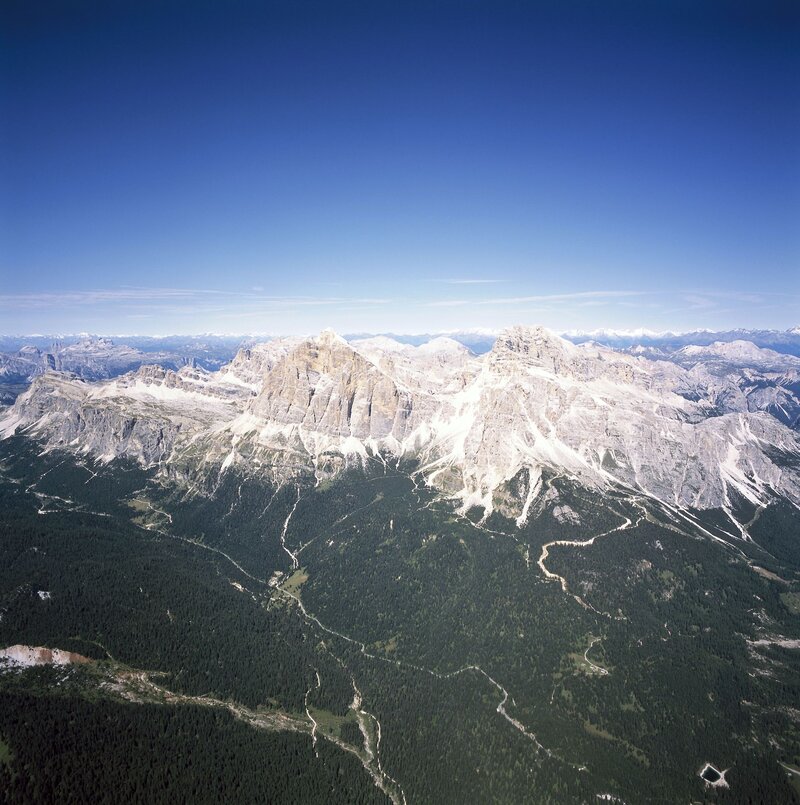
[
  {"x": 324, "y": 384},
  {"x": 477, "y": 426}
]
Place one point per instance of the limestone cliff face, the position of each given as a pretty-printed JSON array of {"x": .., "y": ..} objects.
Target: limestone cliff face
[
  {"x": 325, "y": 385},
  {"x": 159, "y": 382},
  {"x": 144, "y": 415},
  {"x": 60, "y": 410},
  {"x": 251, "y": 365},
  {"x": 540, "y": 403}
]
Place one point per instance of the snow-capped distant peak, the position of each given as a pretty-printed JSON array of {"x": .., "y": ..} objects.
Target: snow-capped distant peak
[
  {"x": 443, "y": 344},
  {"x": 639, "y": 332},
  {"x": 737, "y": 352},
  {"x": 379, "y": 343}
]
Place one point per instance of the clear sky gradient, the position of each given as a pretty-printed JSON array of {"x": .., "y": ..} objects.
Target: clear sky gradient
[{"x": 282, "y": 167}]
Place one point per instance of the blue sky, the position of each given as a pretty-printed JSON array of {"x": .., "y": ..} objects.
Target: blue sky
[{"x": 282, "y": 167}]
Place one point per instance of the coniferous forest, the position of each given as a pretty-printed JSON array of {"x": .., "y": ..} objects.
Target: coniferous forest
[{"x": 358, "y": 640}]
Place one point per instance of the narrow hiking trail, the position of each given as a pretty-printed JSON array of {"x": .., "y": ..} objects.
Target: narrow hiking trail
[
  {"x": 505, "y": 696},
  {"x": 549, "y": 574},
  {"x": 596, "y": 668}
]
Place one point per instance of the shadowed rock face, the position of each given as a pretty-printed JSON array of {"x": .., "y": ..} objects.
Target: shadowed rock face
[{"x": 535, "y": 403}]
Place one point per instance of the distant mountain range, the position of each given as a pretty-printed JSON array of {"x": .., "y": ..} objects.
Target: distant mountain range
[
  {"x": 481, "y": 340},
  {"x": 786, "y": 341},
  {"x": 99, "y": 357}
]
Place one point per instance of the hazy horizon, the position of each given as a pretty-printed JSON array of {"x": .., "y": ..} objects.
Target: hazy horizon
[
  {"x": 477, "y": 332},
  {"x": 562, "y": 316}
]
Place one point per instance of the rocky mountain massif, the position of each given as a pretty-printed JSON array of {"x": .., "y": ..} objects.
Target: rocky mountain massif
[
  {"x": 98, "y": 358},
  {"x": 713, "y": 427}
]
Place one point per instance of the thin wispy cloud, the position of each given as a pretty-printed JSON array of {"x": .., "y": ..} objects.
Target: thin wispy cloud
[
  {"x": 563, "y": 297},
  {"x": 469, "y": 281},
  {"x": 521, "y": 300},
  {"x": 699, "y": 302},
  {"x": 707, "y": 300},
  {"x": 105, "y": 296},
  {"x": 175, "y": 299},
  {"x": 253, "y": 308}
]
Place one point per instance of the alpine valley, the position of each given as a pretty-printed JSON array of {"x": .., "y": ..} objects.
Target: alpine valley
[{"x": 367, "y": 571}]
